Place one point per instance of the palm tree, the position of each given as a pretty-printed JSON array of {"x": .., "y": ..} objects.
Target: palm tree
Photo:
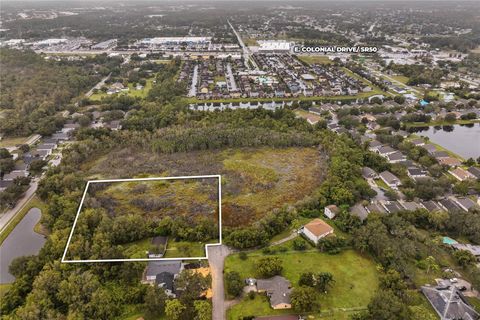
[{"x": 431, "y": 264}]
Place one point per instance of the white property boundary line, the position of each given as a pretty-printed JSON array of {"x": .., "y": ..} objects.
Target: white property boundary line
[{"x": 219, "y": 177}]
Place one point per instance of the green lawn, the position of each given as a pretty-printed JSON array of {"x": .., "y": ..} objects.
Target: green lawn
[
  {"x": 356, "y": 277},
  {"x": 315, "y": 59},
  {"x": 35, "y": 202},
  {"x": 12, "y": 141},
  {"x": 257, "y": 306},
  {"x": 250, "y": 41},
  {"x": 402, "y": 79},
  {"x": 137, "y": 249},
  {"x": 177, "y": 249},
  {"x": 260, "y": 306},
  {"x": 380, "y": 183},
  {"x": 131, "y": 92}
]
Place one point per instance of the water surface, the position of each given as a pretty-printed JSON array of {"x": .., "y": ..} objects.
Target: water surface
[
  {"x": 463, "y": 140},
  {"x": 22, "y": 241}
]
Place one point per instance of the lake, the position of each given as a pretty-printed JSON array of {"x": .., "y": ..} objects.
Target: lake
[
  {"x": 22, "y": 241},
  {"x": 463, "y": 140}
]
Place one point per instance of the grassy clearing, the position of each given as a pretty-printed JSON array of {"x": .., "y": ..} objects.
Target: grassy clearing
[
  {"x": 319, "y": 59},
  {"x": 254, "y": 181},
  {"x": 260, "y": 306},
  {"x": 142, "y": 93},
  {"x": 13, "y": 141},
  {"x": 250, "y": 41},
  {"x": 262, "y": 180},
  {"x": 137, "y": 249},
  {"x": 356, "y": 277},
  {"x": 402, "y": 79},
  {"x": 380, "y": 183},
  {"x": 177, "y": 249},
  {"x": 305, "y": 114},
  {"x": 35, "y": 202}
]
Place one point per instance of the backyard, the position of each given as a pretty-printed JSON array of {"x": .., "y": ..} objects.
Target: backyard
[{"x": 355, "y": 275}]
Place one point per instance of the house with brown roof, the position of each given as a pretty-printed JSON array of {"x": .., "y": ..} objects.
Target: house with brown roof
[
  {"x": 449, "y": 161},
  {"x": 316, "y": 230},
  {"x": 461, "y": 174}
]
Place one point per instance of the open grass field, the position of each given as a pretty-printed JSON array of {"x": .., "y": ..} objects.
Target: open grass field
[
  {"x": 249, "y": 41},
  {"x": 402, "y": 79},
  {"x": 13, "y": 141},
  {"x": 320, "y": 59},
  {"x": 254, "y": 181},
  {"x": 142, "y": 93},
  {"x": 356, "y": 279}
]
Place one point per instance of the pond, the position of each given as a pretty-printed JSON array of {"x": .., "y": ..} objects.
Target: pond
[
  {"x": 463, "y": 140},
  {"x": 22, "y": 241}
]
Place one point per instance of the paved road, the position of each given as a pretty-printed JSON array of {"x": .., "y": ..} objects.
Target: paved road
[
  {"x": 216, "y": 258},
  {"x": 7, "y": 216},
  {"x": 245, "y": 49},
  {"x": 193, "y": 88},
  {"x": 380, "y": 193},
  {"x": 97, "y": 86}
]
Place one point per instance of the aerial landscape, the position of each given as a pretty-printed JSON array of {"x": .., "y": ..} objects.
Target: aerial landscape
[{"x": 240, "y": 160}]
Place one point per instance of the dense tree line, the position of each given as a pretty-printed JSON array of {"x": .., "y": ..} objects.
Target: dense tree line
[
  {"x": 34, "y": 90},
  {"x": 419, "y": 74}
]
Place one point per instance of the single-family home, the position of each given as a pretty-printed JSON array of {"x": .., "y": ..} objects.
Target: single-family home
[
  {"x": 163, "y": 274},
  {"x": 374, "y": 145},
  {"x": 316, "y": 230},
  {"x": 416, "y": 173},
  {"x": 375, "y": 207},
  {"x": 449, "y": 161},
  {"x": 461, "y": 174},
  {"x": 431, "y": 206},
  {"x": 474, "y": 171},
  {"x": 278, "y": 291},
  {"x": 449, "y": 303},
  {"x": 390, "y": 179},
  {"x": 385, "y": 150},
  {"x": 418, "y": 142},
  {"x": 396, "y": 157},
  {"x": 369, "y": 173},
  {"x": 392, "y": 206},
  {"x": 448, "y": 205},
  {"x": 331, "y": 211},
  {"x": 359, "y": 211},
  {"x": 463, "y": 202},
  {"x": 15, "y": 174}
]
